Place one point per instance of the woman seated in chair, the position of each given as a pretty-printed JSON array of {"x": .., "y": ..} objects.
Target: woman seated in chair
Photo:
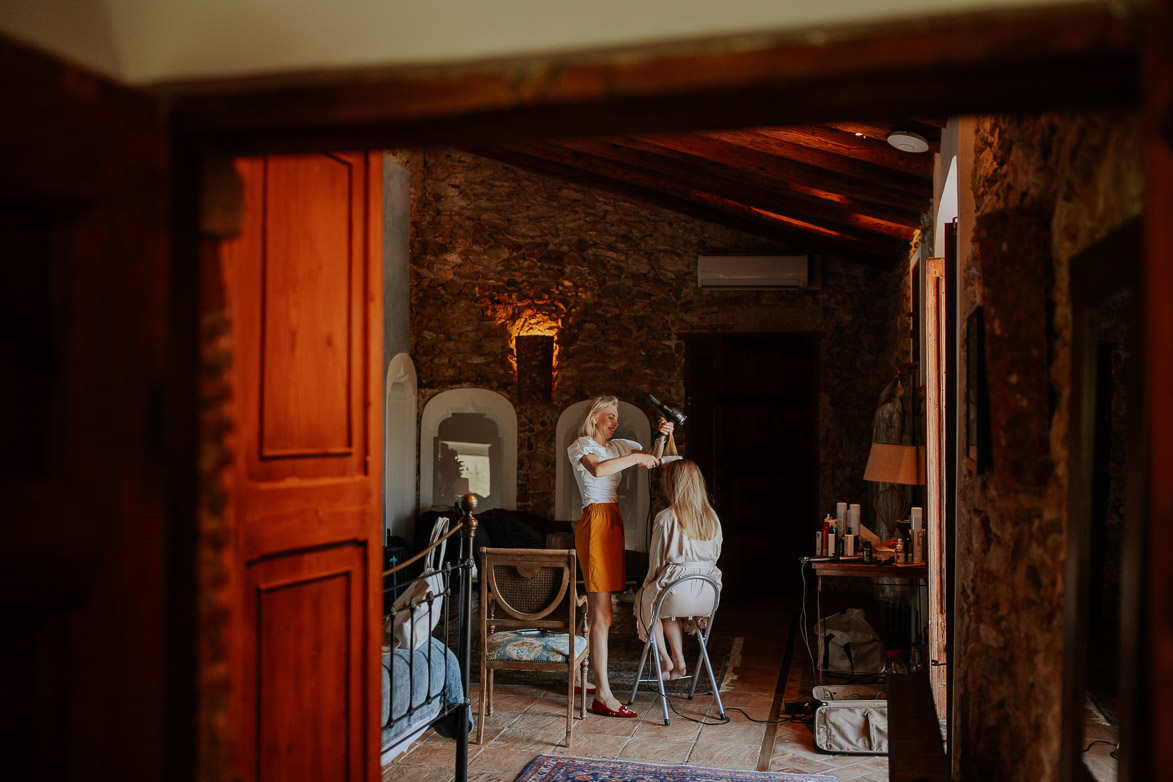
[{"x": 686, "y": 540}]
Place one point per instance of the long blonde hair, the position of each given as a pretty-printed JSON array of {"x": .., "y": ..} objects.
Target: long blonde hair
[
  {"x": 689, "y": 499},
  {"x": 596, "y": 406}
]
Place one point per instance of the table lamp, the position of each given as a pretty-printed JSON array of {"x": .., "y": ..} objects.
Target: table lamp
[{"x": 893, "y": 465}]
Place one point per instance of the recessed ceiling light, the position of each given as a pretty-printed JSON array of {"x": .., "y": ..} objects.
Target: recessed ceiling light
[{"x": 907, "y": 142}]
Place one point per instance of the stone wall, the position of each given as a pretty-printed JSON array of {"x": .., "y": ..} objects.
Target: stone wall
[
  {"x": 495, "y": 248},
  {"x": 1045, "y": 188}
]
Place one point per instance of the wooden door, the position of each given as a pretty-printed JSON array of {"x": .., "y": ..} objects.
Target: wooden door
[
  {"x": 303, "y": 283},
  {"x": 753, "y": 431}
]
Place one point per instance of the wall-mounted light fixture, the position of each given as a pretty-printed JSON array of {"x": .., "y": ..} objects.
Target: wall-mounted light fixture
[{"x": 535, "y": 367}]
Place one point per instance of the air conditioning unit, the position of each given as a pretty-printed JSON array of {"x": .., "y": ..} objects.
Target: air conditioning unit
[{"x": 752, "y": 271}]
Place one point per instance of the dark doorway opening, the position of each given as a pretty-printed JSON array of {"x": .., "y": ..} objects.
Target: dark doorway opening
[{"x": 753, "y": 430}]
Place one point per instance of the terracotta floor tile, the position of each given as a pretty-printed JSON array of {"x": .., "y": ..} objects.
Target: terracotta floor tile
[
  {"x": 723, "y": 754},
  {"x": 736, "y": 730},
  {"x": 678, "y": 730},
  {"x": 530, "y": 722},
  {"x": 429, "y": 753},
  {"x": 418, "y": 773},
  {"x": 594, "y": 725},
  {"x": 653, "y": 750},
  {"x": 592, "y": 746},
  {"x": 488, "y": 776},
  {"x": 506, "y": 698},
  {"x": 500, "y": 758},
  {"x": 530, "y": 741},
  {"x": 798, "y": 765}
]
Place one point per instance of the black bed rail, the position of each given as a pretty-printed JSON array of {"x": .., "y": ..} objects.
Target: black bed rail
[{"x": 450, "y": 585}]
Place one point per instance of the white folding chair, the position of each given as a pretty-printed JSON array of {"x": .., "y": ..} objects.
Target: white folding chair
[{"x": 704, "y": 628}]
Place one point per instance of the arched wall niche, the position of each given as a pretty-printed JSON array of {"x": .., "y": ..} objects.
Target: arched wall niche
[
  {"x": 485, "y": 411},
  {"x": 399, "y": 451},
  {"x": 633, "y": 487}
]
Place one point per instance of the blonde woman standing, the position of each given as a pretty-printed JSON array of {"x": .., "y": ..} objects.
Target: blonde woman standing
[
  {"x": 597, "y": 461},
  {"x": 686, "y": 541}
]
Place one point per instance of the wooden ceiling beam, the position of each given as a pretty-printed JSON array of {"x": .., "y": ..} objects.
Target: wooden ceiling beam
[
  {"x": 913, "y": 174},
  {"x": 694, "y": 183},
  {"x": 838, "y": 142},
  {"x": 1049, "y": 57},
  {"x": 797, "y": 214},
  {"x": 745, "y": 166},
  {"x": 867, "y": 253}
]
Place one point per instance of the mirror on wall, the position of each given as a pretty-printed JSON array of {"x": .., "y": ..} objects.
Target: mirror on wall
[{"x": 467, "y": 460}]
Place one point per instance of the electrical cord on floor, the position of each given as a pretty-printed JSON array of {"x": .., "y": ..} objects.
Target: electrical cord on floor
[
  {"x": 725, "y": 721},
  {"x": 1115, "y": 746},
  {"x": 802, "y": 623}
]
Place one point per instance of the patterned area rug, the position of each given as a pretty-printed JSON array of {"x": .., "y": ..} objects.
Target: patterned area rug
[{"x": 559, "y": 768}]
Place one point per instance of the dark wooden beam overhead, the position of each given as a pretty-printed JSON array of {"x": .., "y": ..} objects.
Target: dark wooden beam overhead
[
  {"x": 823, "y": 200},
  {"x": 833, "y": 141},
  {"x": 796, "y": 166},
  {"x": 782, "y": 163},
  {"x": 1053, "y": 57},
  {"x": 797, "y": 224},
  {"x": 790, "y": 233}
]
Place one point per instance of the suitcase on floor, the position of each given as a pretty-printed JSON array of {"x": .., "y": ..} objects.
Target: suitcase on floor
[{"x": 851, "y": 718}]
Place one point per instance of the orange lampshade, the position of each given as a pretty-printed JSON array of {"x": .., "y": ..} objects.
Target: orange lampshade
[{"x": 893, "y": 463}]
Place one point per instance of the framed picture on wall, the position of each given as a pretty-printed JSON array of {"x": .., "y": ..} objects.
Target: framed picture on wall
[{"x": 977, "y": 405}]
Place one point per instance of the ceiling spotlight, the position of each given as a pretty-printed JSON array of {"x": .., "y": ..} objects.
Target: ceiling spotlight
[{"x": 907, "y": 142}]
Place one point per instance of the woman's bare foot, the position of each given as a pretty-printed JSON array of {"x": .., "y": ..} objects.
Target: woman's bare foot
[{"x": 666, "y": 670}]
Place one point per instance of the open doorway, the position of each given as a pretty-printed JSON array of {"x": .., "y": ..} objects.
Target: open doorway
[{"x": 754, "y": 433}]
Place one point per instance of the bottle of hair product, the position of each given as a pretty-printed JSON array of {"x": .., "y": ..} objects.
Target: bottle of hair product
[
  {"x": 916, "y": 666},
  {"x": 899, "y": 550},
  {"x": 894, "y": 664}
]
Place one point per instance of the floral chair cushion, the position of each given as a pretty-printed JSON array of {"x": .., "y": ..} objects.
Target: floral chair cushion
[{"x": 530, "y": 646}]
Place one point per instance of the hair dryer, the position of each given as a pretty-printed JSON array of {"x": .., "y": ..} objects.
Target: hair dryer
[{"x": 670, "y": 414}]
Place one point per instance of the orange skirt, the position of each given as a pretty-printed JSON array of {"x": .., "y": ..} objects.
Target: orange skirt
[{"x": 598, "y": 542}]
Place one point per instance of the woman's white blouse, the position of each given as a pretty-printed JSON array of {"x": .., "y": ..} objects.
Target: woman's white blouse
[{"x": 592, "y": 489}]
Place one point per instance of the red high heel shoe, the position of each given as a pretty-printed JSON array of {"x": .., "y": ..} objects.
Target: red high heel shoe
[{"x": 598, "y": 707}]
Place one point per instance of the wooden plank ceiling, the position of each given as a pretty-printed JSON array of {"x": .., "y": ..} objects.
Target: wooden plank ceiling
[{"x": 837, "y": 189}]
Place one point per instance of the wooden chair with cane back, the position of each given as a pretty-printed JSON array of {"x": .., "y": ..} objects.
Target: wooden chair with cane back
[{"x": 532, "y": 619}]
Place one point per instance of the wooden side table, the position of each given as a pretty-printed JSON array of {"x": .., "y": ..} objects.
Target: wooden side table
[{"x": 857, "y": 569}]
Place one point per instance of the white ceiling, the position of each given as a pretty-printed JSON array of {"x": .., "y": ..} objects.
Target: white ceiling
[{"x": 146, "y": 42}]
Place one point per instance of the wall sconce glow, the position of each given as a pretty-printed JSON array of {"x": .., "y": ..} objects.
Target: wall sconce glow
[
  {"x": 533, "y": 354},
  {"x": 535, "y": 367}
]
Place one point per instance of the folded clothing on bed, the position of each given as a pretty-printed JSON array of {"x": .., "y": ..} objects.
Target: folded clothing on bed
[{"x": 411, "y": 680}]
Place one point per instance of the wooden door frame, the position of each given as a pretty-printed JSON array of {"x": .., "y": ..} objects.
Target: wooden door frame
[{"x": 1038, "y": 59}]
